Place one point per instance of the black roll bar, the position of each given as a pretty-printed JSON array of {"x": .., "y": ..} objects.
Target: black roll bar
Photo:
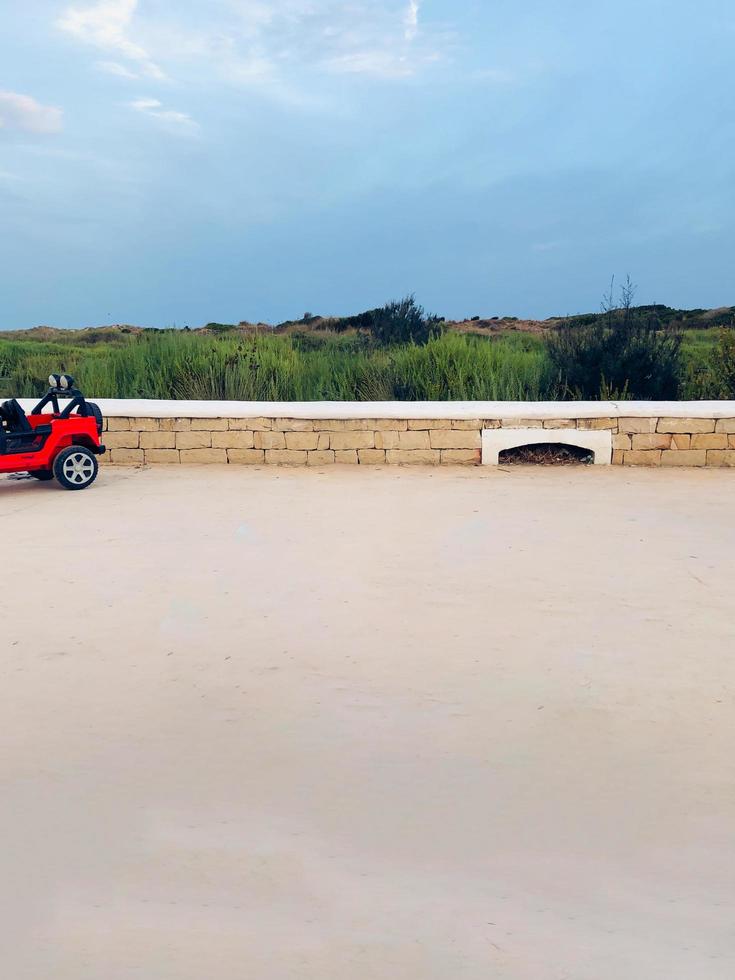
[{"x": 53, "y": 394}]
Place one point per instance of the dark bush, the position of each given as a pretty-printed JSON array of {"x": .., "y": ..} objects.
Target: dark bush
[
  {"x": 625, "y": 353},
  {"x": 403, "y": 322},
  {"x": 399, "y": 322}
]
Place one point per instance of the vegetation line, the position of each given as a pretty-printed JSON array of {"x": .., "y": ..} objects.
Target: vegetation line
[{"x": 396, "y": 353}]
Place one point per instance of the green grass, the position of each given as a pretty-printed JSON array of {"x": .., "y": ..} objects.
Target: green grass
[
  {"x": 300, "y": 366},
  {"x": 295, "y": 367},
  {"x": 697, "y": 350}
]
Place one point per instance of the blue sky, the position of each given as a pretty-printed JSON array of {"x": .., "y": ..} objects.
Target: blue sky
[{"x": 177, "y": 161}]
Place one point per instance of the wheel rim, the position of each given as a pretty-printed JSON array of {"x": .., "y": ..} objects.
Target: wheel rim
[{"x": 78, "y": 468}]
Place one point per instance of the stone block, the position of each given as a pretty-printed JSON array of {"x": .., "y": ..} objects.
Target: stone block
[
  {"x": 467, "y": 424},
  {"x": 348, "y": 456},
  {"x": 560, "y": 423},
  {"x": 174, "y": 425},
  {"x": 294, "y": 425},
  {"x": 127, "y": 457},
  {"x": 302, "y": 440},
  {"x": 320, "y": 457},
  {"x": 425, "y": 457},
  {"x": 651, "y": 440},
  {"x": 491, "y": 424},
  {"x": 637, "y": 425},
  {"x": 157, "y": 440},
  {"x": 394, "y": 425},
  {"x": 386, "y": 440},
  {"x": 418, "y": 424},
  {"x": 731, "y": 441},
  {"x": 341, "y": 425},
  {"x": 622, "y": 441},
  {"x": 286, "y": 457},
  {"x": 721, "y": 457},
  {"x": 642, "y": 457},
  {"x": 118, "y": 425},
  {"x": 122, "y": 439},
  {"x": 521, "y": 424},
  {"x": 371, "y": 457},
  {"x": 252, "y": 425},
  {"x": 686, "y": 425},
  {"x": 352, "y": 440},
  {"x": 684, "y": 457},
  {"x": 246, "y": 457},
  {"x": 162, "y": 456},
  {"x": 270, "y": 440},
  {"x": 233, "y": 439},
  {"x": 208, "y": 425},
  {"x": 322, "y": 441},
  {"x": 681, "y": 440},
  {"x": 709, "y": 440},
  {"x": 193, "y": 440},
  {"x": 455, "y": 439},
  {"x": 145, "y": 425},
  {"x": 588, "y": 425},
  {"x": 725, "y": 425},
  {"x": 461, "y": 457},
  {"x": 617, "y": 457},
  {"x": 203, "y": 455},
  {"x": 415, "y": 439}
]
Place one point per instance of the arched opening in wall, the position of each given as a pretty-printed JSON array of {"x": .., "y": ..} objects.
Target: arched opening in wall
[
  {"x": 546, "y": 454},
  {"x": 546, "y": 446}
]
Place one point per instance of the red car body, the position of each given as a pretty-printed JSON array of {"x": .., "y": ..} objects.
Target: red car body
[
  {"x": 61, "y": 443},
  {"x": 41, "y": 452}
]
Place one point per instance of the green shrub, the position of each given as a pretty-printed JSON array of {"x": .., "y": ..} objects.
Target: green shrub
[
  {"x": 626, "y": 353},
  {"x": 401, "y": 322}
]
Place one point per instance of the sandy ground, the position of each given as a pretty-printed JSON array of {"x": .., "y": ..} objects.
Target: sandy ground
[{"x": 377, "y": 725}]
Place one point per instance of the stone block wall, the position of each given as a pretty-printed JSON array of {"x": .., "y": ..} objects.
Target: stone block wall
[
  {"x": 652, "y": 441},
  {"x": 636, "y": 441},
  {"x": 293, "y": 442},
  {"x": 674, "y": 442}
]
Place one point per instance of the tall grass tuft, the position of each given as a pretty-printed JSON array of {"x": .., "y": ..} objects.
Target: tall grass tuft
[{"x": 262, "y": 367}]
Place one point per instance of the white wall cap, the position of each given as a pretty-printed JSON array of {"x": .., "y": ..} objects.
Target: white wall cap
[{"x": 149, "y": 408}]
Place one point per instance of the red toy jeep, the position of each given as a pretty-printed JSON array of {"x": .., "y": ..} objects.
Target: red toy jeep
[{"x": 62, "y": 443}]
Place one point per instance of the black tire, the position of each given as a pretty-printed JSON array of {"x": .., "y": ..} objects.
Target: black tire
[
  {"x": 42, "y": 475},
  {"x": 97, "y": 414},
  {"x": 76, "y": 468}
]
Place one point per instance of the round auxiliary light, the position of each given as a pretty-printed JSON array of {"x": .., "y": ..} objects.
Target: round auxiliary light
[{"x": 61, "y": 381}]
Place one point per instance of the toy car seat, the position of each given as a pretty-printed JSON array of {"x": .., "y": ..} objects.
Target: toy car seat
[{"x": 12, "y": 414}]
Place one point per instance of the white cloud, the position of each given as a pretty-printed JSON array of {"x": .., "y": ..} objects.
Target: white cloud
[
  {"x": 25, "y": 113},
  {"x": 411, "y": 20},
  {"x": 378, "y": 38},
  {"x": 114, "y": 68},
  {"x": 280, "y": 48},
  {"x": 106, "y": 25},
  {"x": 153, "y": 107}
]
